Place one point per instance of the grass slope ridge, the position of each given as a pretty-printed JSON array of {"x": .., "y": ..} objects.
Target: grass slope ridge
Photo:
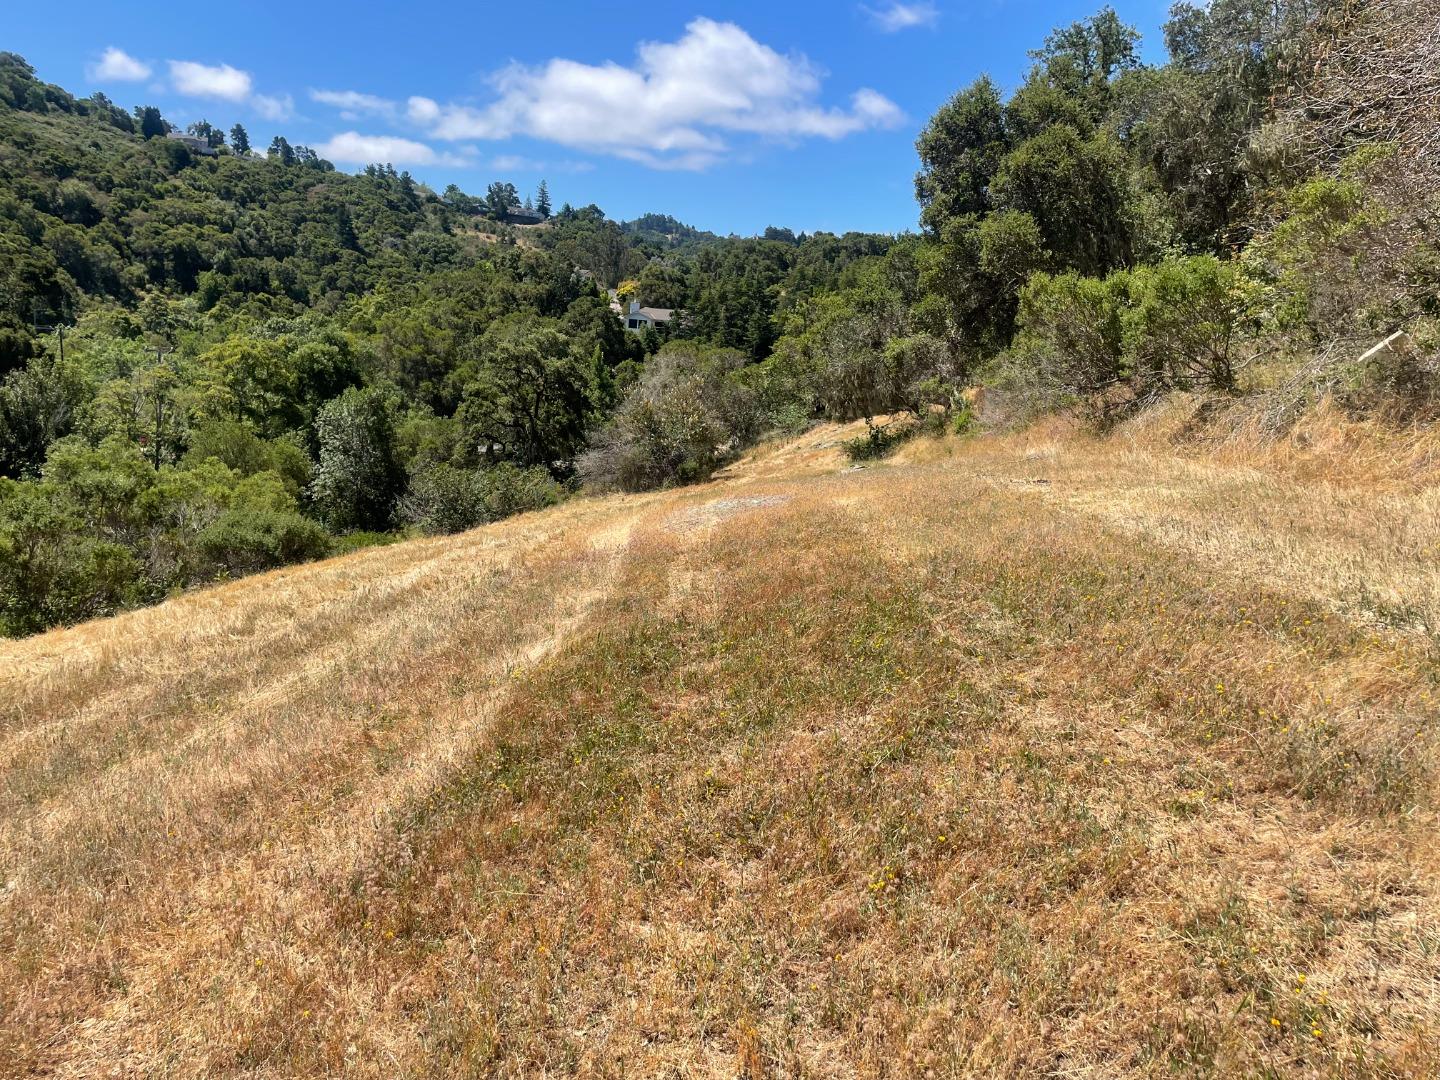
[{"x": 953, "y": 765}]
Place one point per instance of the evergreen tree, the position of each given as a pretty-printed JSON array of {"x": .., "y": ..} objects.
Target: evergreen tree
[
  {"x": 281, "y": 150},
  {"x": 152, "y": 124},
  {"x": 203, "y": 129},
  {"x": 542, "y": 200},
  {"x": 466, "y": 204},
  {"x": 499, "y": 199},
  {"x": 240, "y": 140},
  {"x": 960, "y": 151}
]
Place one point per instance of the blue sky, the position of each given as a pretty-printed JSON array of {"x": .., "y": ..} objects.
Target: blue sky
[{"x": 731, "y": 116}]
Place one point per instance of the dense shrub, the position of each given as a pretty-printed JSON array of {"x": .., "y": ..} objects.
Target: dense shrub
[
  {"x": 445, "y": 499},
  {"x": 1187, "y": 322},
  {"x": 1315, "y": 255},
  {"x": 686, "y": 414},
  {"x": 866, "y": 351},
  {"x": 509, "y": 489},
  {"x": 359, "y": 478},
  {"x": 38, "y": 405},
  {"x": 238, "y": 447},
  {"x": 52, "y": 569},
  {"x": 1110, "y": 343},
  {"x": 880, "y": 440},
  {"x": 102, "y": 529},
  {"x": 1354, "y": 253},
  {"x": 247, "y": 541},
  {"x": 1071, "y": 334}
]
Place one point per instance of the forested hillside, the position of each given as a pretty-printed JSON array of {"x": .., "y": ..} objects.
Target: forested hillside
[{"x": 212, "y": 363}]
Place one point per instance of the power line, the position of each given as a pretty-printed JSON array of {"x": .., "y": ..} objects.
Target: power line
[{"x": 58, "y": 328}]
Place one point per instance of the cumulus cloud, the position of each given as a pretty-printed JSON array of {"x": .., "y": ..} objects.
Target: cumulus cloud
[
  {"x": 227, "y": 83},
  {"x": 422, "y": 110},
  {"x": 896, "y": 17},
  {"x": 673, "y": 108},
  {"x": 276, "y": 107},
  {"x": 204, "y": 80},
  {"x": 116, "y": 65},
  {"x": 353, "y": 148},
  {"x": 352, "y": 103}
]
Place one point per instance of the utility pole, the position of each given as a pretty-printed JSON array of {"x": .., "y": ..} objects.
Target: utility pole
[{"x": 58, "y": 328}]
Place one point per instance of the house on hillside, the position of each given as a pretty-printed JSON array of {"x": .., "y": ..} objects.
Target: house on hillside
[
  {"x": 518, "y": 215},
  {"x": 192, "y": 143},
  {"x": 640, "y": 318}
]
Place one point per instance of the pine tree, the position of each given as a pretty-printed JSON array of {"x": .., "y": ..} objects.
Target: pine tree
[
  {"x": 240, "y": 140},
  {"x": 203, "y": 129},
  {"x": 542, "y": 200},
  {"x": 281, "y": 150},
  {"x": 152, "y": 124}
]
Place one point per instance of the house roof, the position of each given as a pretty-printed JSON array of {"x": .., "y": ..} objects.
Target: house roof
[
  {"x": 192, "y": 142},
  {"x": 657, "y": 314}
]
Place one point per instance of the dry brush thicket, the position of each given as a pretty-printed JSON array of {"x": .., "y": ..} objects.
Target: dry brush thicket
[
  {"x": 1033, "y": 755},
  {"x": 1378, "y": 82}
]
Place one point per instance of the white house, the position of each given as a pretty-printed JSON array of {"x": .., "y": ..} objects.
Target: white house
[
  {"x": 646, "y": 318},
  {"x": 193, "y": 144}
]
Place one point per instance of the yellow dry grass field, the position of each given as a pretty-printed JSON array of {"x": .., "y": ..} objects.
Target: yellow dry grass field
[{"x": 1012, "y": 756}]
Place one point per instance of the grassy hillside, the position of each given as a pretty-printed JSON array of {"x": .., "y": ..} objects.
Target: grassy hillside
[{"x": 1030, "y": 755}]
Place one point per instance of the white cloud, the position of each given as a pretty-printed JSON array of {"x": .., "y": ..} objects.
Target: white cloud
[
  {"x": 671, "y": 109},
  {"x": 353, "y": 103},
  {"x": 228, "y": 83},
  {"x": 276, "y": 107},
  {"x": 515, "y": 163},
  {"x": 203, "y": 80},
  {"x": 877, "y": 109},
  {"x": 898, "y": 17},
  {"x": 422, "y": 110},
  {"x": 353, "y": 148},
  {"x": 116, "y": 65}
]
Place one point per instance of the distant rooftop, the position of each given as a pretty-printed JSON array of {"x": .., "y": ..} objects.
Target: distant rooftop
[{"x": 193, "y": 142}]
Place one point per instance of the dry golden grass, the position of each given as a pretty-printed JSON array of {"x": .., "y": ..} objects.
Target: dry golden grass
[
  {"x": 1017, "y": 756},
  {"x": 1344, "y": 512}
]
